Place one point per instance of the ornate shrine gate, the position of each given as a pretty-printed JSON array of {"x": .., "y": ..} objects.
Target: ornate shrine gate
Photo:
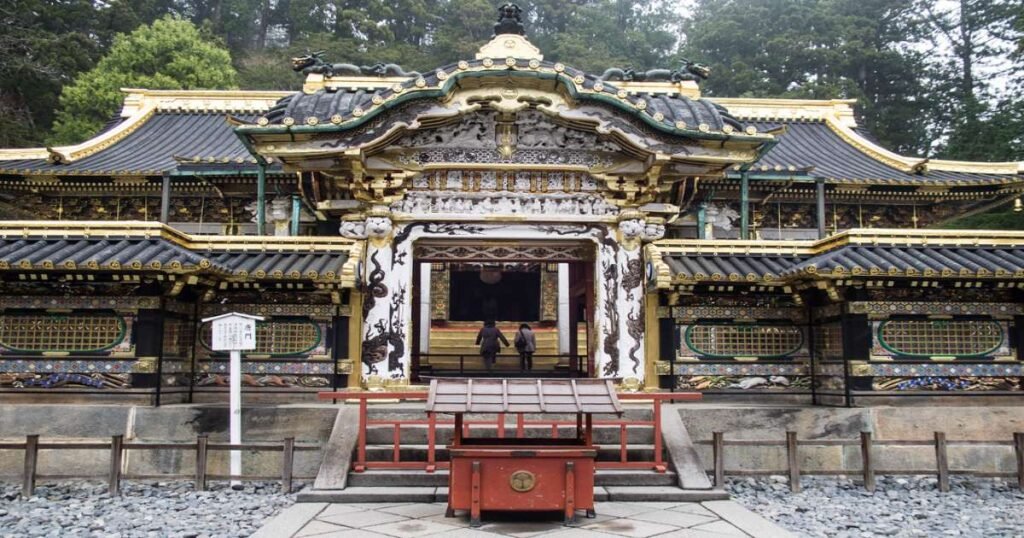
[{"x": 504, "y": 149}]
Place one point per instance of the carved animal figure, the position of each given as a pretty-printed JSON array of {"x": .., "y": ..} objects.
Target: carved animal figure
[
  {"x": 749, "y": 383},
  {"x": 377, "y": 288},
  {"x": 615, "y": 73},
  {"x": 635, "y": 329},
  {"x": 691, "y": 71},
  {"x": 381, "y": 69},
  {"x": 632, "y": 277},
  {"x": 611, "y": 312},
  {"x": 313, "y": 62},
  {"x": 510, "y": 20}
]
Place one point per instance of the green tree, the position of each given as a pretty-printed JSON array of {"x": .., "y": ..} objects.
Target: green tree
[
  {"x": 44, "y": 44},
  {"x": 819, "y": 49},
  {"x": 981, "y": 37},
  {"x": 169, "y": 54}
]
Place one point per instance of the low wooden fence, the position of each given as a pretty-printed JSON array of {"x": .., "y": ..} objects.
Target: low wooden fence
[
  {"x": 360, "y": 463},
  {"x": 867, "y": 448},
  {"x": 117, "y": 448}
]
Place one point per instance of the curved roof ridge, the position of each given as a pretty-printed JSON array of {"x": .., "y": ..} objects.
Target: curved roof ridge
[{"x": 689, "y": 117}]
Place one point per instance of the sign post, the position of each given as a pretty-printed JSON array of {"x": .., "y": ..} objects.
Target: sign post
[{"x": 235, "y": 333}]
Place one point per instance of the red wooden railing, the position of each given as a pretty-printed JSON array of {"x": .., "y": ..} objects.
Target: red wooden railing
[{"x": 431, "y": 421}]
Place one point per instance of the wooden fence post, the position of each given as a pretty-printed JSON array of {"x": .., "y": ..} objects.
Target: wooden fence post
[
  {"x": 1018, "y": 446},
  {"x": 287, "y": 464},
  {"x": 718, "y": 444},
  {"x": 794, "y": 462},
  {"x": 941, "y": 461},
  {"x": 201, "y": 462},
  {"x": 116, "y": 454},
  {"x": 28, "y": 486},
  {"x": 867, "y": 465}
]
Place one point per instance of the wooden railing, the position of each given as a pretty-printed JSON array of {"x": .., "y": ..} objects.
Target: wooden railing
[
  {"x": 867, "y": 448},
  {"x": 117, "y": 448},
  {"x": 566, "y": 364},
  {"x": 431, "y": 421}
]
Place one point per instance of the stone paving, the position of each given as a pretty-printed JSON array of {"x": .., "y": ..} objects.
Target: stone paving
[{"x": 413, "y": 520}]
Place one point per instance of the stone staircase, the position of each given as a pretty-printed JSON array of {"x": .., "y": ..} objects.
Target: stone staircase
[
  {"x": 459, "y": 338},
  {"x": 394, "y": 485}
]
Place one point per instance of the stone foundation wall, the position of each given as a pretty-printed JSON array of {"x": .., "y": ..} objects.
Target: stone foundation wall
[
  {"x": 271, "y": 424},
  {"x": 995, "y": 424}
]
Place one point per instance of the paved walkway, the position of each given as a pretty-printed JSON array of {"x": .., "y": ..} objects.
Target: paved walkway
[{"x": 412, "y": 520}]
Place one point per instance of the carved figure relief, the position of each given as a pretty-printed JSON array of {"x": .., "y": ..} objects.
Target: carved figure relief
[
  {"x": 653, "y": 230},
  {"x": 630, "y": 231},
  {"x": 532, "y": 139},
  {"x": 635, "y": 330},
  {"x": 440, "y": 202},
  {"x": 721, "y": 216},
  {"x": 378, "y": 229},
  {"x": 353, "y": 229}
]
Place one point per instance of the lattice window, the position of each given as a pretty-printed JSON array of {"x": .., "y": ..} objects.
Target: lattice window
[
  {"x": 177, "y": 337},
  {"x": 927, "y": 338},
  {"x": 276, "y": 338},
  {"x": 828, "y": 341},
  {"x": 61, "y": 332},
  {"x": 744, "y": 340}
]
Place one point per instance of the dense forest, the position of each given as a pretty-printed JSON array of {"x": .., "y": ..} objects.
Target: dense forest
[{"x": 937, "y": 78}]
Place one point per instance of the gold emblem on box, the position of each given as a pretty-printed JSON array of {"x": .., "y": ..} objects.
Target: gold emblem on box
[{"x": 522, "y": 481}]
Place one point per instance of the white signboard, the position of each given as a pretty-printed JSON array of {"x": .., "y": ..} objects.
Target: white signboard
[{"x": 234, "y": 332}]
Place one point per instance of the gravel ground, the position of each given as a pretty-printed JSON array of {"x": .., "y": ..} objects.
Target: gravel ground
[
  {"x": 900, "y": 506},
  {"x": 161, "y": 509}
]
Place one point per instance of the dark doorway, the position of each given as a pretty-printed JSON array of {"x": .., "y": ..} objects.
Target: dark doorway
[{"x": 493, "y": 294}]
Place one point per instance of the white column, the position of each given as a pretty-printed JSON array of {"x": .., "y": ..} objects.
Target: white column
[
  {"x": 235, "y": 408},
  {"x": 424, "y": 285},
  {"x": 563, "y": 308}
]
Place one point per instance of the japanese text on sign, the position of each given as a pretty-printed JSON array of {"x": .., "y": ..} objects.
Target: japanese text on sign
[{"x": 234, "y": 334}]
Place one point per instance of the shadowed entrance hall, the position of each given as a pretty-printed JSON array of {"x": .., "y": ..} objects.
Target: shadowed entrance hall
[{"x": 459, "y": 286}]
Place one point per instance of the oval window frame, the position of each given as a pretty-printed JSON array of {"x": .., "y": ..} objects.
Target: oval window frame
[
  {"x": 122, "y": 326},
  {"x": 688, "y": 341},
  {"x": 896, "y": 353},
  {"x": 316, "y": 327}
]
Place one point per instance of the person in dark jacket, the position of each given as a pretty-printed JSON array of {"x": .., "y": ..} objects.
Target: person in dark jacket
[
  {"x": 487, "y": 339},
  {"x": 526, "y": 345}
]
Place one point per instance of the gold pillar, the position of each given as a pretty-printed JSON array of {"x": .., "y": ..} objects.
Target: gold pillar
[
  {"x": 439, "y": 291},
  {"x": 652, "y": 340},
  {"x": 549, "y": 292},
  {"x": 355, "y": 339}
]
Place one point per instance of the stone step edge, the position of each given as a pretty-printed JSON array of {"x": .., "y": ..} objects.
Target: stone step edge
[{"x": 429, "y": 494}]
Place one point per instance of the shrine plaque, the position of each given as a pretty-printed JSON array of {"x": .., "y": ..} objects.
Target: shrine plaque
[{"x": 233, "y": 333}]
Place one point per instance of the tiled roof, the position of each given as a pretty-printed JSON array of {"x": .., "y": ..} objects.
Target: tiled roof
[
  {"x": 107, "y": 254},
  {"x": 160, "y": 144},
  {"x": 928, "y": 261},
  {"x": 749, "y": 268},
  {"x": 522, "y": 396},
  {"x": 325, "y": 104},
  {"x": 147, "y": 249},
  {"x": 814, "y": 145},
  {"x": 858, "y": 254}
]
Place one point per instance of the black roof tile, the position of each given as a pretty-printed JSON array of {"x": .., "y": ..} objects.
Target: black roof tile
[
  {"x": 151, "y": 254},
  {"x": 326, "y": 103},
  {"x": 157, "y": 146},
  {"x": 813, "y": 144}
]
